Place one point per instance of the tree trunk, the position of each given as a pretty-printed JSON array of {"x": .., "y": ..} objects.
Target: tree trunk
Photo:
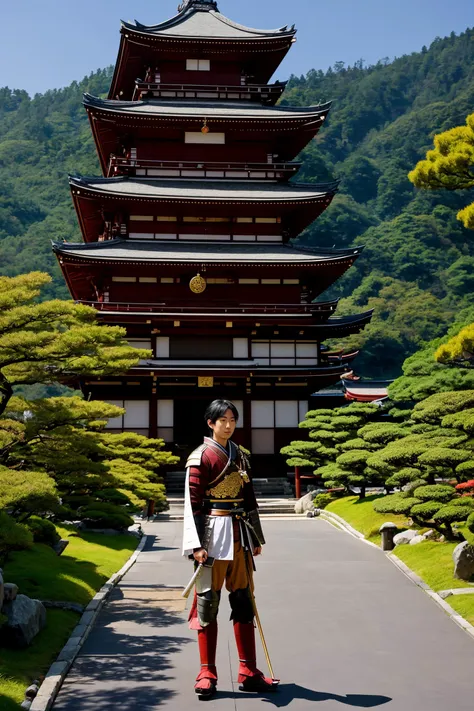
[
  {"x": 449, "y": 533},
  {"x": 6, "y": 391},
  {"x": 362, "y": 491}
]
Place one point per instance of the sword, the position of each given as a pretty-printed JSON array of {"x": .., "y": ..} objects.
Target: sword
[
  {"x": 192, "y": 582},
  {"x": 197, "y": 573},
  {"x": 257, "y": 620}
]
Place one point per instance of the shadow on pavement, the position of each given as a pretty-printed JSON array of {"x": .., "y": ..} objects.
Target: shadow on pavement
[
  {"x": 130, "y": 659},
  {"x": 127, "y": 614},
  {"x": 290, "y": 692},
  {"x": 138, "y": 674},
  {"x": 126, "y": 698}
]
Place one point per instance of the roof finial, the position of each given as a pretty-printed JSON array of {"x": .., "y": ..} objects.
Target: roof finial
[{"x": 198, "y": 4}]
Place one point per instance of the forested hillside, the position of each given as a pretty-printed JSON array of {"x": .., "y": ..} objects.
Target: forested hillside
[{"x": 417, "y": 270}]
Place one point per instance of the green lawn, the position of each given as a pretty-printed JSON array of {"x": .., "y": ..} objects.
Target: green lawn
[
  {"x": 464, "y": 605},
  {"x": 18, "y": 667},
  {"x": 361, "y": 515},
  {"x": 434, "y": 563},
  {"x": 75, "y": 576}
]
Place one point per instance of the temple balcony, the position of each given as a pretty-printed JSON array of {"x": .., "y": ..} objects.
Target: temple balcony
[
  {"x": 138, "y": 167},
  {"x": 262, "y": 93},
  {"x": 179, "y": 308}
]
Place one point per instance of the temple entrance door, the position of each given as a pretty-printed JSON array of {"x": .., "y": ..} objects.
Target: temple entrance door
[{"x": 189, "y": 426}]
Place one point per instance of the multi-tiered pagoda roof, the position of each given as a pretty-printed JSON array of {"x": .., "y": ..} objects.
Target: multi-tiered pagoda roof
[
  {"x": 200, "y": 30},
  {"x": 187, "y": 234}
]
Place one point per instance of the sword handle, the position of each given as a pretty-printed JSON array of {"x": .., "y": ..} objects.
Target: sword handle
[{"x": 192, "y": 582}]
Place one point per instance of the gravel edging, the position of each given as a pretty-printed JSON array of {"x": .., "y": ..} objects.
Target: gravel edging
[
  {"x": 58, "y": 670},
  {"x": 342, "y": 524}
]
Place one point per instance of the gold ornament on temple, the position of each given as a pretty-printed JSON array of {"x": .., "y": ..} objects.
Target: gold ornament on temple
[
  {"x": 197, "y": 284},
  {"x": 205, "y": 128}
]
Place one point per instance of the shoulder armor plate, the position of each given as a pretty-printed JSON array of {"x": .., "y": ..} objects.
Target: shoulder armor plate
[{"x": 194, "y": 459}]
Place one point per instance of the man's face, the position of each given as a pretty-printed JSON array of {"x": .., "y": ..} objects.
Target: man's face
[{"x": 224, "y": 427}]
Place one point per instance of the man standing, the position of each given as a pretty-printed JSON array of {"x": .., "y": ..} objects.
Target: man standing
[{"x": 222, "y": 532}]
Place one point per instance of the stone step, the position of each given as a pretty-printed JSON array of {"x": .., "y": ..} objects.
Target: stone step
[
  {"x": 277, "y": 486},
  {"x": 270, "y": 515},
  {"x": 266, "y": 506}
]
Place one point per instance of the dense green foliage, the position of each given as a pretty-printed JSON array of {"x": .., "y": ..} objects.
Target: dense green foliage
[
  {"x": 418, "y": 261},
  {"x": 340, "y": 444},
  {"x": 56, "y": 457},
  {"x": 441, "y": 365},
  {"x": 416, "y": 270},
  {"x": 450, "y": 165},
  {"x": 432, "y": 463}
]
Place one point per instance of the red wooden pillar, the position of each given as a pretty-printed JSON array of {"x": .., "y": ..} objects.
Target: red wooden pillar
[
  {"x": 297, "y": 483},
  {"x": 153, "y": 413}
]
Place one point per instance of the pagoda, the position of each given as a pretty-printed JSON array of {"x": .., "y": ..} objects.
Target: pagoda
[{"x": 187, "y": 235}]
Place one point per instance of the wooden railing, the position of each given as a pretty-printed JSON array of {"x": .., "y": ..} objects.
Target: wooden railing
[
  {"x": 253, "y": 92},
  {"x": 218, "y": 310},
  {"x": 202, "y": 169}
]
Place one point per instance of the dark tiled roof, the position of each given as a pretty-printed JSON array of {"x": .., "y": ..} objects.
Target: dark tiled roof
[
  {"x": 209, "y": 109},
  {"x": 202, "y": 20},
  {"x": 181, "y": 251},
  {"x": 206, "y": 190}
]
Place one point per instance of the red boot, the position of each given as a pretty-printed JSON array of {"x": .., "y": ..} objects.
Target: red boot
[
  {"x": 250, "y": 678},
  {"x": 206, "y": 680}
]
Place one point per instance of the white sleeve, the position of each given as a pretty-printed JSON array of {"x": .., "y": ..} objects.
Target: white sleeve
[{"x": 190, "y": 534}]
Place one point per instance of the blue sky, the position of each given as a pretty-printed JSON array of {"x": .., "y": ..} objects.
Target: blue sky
[{"x": 46, "y": 44}]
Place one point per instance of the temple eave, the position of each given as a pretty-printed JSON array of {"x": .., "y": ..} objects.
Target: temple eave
[
  {"x": 203, "y": 191},
  {"x": 189, "y": 111}
]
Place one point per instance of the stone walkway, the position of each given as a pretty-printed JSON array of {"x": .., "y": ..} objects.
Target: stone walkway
[{"x": 344, "y": 627}]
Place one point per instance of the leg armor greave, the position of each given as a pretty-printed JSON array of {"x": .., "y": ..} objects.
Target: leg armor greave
[
  {"x": 208, "y": 607},
  {"x": 241, "y": 605}
]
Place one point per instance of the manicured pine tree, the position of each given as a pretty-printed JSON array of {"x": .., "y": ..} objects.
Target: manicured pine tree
[
  {"x": 58, "y": 447},
  {"x": 438, "y": 447}
]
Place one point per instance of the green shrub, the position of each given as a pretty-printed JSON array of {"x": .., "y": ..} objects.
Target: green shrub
[
  {"x": 451, "y": 514},
  {"x": 13, "y": 536},
  {"x": 470, "y": 522},
  {"x": 322, "y": 500},
  {"x": 43, "y": 531},
  {"x": 101, "y": 515},
  {"x": 64, "y": 513},
  {"x": 395, "y": 503},
  {"x": 435, "y": 492},
  {"x": 113, "y": 496},
  {"x": 412, "y": 486},
  {"x": 427, "y": 509},
  {"x": 75, "y": 501},
  {"x": 465, "y": 501},
  {"x": 404, "y": 476}
]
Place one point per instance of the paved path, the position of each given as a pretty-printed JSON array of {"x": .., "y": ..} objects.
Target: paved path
[{"x": 344, "y": 626}]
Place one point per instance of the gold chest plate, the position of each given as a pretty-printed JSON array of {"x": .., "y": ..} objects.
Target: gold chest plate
[{"x": 228, "y": 488}]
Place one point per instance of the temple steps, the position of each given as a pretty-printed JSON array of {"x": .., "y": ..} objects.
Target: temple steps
[
  {"x": 263, "y": 487},
  {"x": 267, "y": 507}
]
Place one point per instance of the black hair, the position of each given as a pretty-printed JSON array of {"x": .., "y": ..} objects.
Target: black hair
[{"x": 217, "y": 409}]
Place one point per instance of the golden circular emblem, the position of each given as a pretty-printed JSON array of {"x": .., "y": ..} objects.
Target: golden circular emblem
[{"x": 197, "y": 284}]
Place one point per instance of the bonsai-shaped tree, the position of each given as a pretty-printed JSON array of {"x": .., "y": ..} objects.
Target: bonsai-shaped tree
[
  {"x": 436, "y": 449},
  {"x": 336, "y": 450},
  {"x": 64, "y": 437}
]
